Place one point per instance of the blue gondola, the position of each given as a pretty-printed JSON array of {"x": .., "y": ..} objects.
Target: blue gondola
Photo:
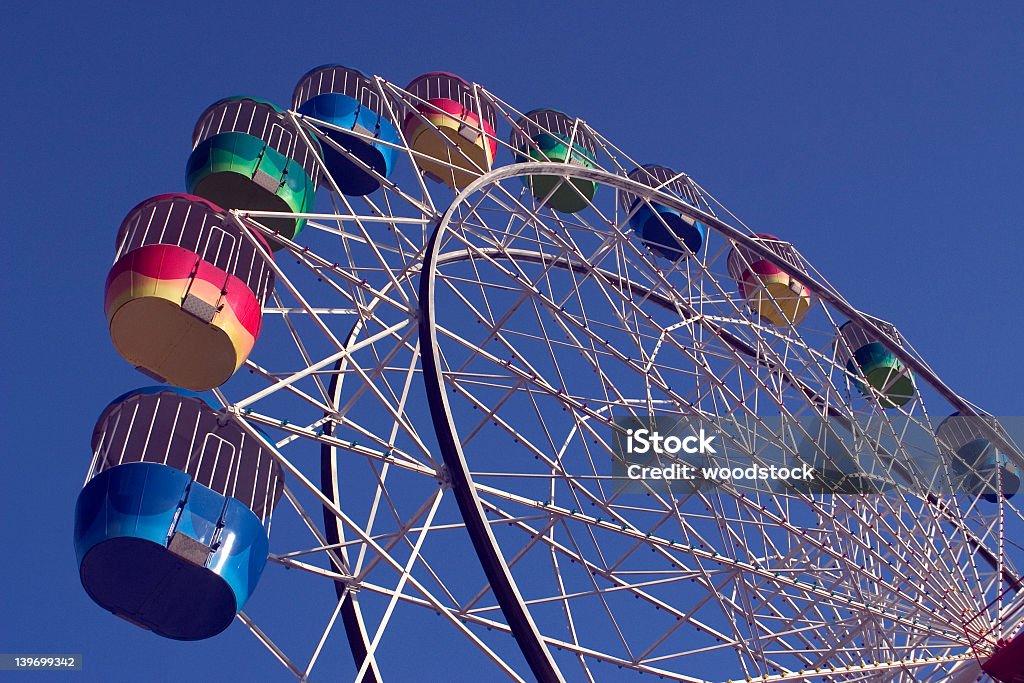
[
  {"x": 663, "y": 230},
  {"x": 346, "y": 98},
  {"x": 977, "y": 465},
  {"x": 170, "y": 530}
]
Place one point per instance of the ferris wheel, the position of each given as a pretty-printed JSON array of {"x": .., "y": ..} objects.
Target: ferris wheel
[{"x": 422, "y": 323}]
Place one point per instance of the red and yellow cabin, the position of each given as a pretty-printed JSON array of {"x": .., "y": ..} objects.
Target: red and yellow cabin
[
  {"x": 772, "y": 292},
  {"x": 184, "y": 298},
  {"x": 452, "y": 130}
]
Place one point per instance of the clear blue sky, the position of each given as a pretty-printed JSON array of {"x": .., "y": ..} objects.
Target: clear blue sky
[{"x": 885, "y": 142}]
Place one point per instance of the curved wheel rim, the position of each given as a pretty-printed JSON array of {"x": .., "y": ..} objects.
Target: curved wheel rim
[{"x": 464, "y": 230}]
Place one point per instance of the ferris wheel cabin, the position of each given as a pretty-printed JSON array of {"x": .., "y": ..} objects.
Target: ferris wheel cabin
[
  {"x": 826, "y": 446},
  {"x": 451, "y": 130},
  {"x": 1006, "y": 664},
  {"x": 876, "y": 371},
  {"x": 979, "y": 468},
  {"x": 769, "y": 290},
  {"x": 248, "y": 154},
  {"x": 184, "y": 297},
  {"x": 551, "y": 136},
  {"x": 171, "y": 526},
  {"x": 665, "y": 231},
  {"x": 346, "y": 98}
]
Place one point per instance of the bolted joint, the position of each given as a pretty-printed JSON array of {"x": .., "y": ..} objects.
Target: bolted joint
[{"x": 444, "y": 477}]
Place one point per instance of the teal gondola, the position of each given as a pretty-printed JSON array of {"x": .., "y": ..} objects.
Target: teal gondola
[
  {"x": 549, "y": 135},
  {"x": 874, "y": 368},
  {"x": 248, "y": 154}
]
